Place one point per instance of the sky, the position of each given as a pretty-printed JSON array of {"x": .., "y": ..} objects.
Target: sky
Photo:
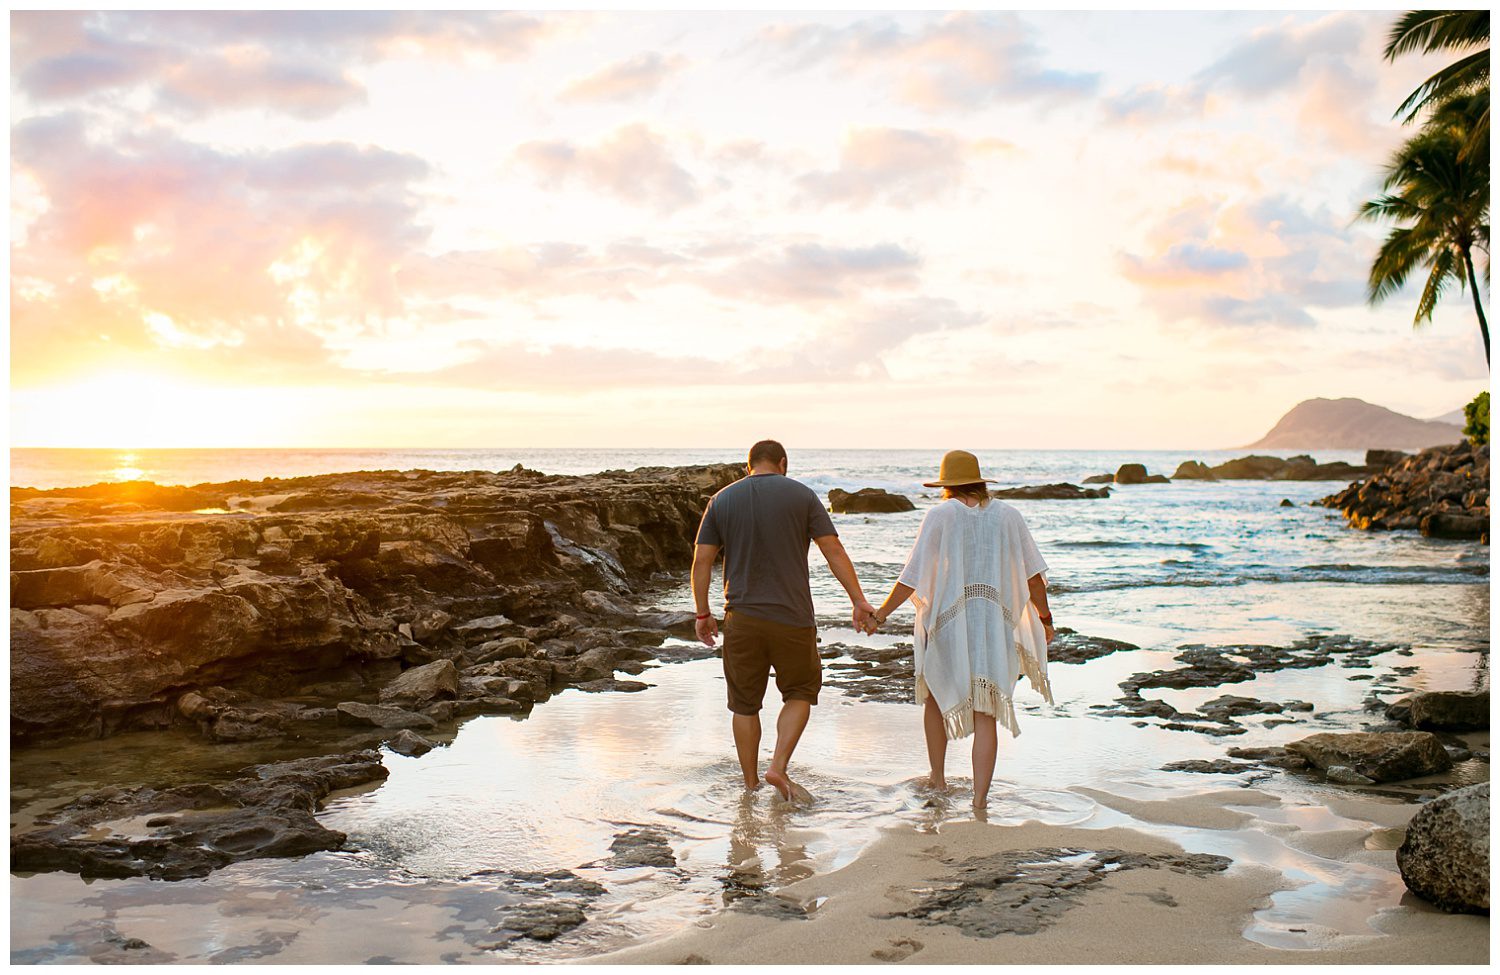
[{"x": 404, "y": 229}]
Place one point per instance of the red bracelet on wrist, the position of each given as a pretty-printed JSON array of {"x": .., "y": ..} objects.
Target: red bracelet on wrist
[{"x": 704, "y": 616}]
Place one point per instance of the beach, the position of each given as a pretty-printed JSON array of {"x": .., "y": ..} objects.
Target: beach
[{"x": 602, "y": 819}]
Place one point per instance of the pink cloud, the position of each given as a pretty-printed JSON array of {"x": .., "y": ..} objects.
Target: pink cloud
[
  {"x": 899, "y": 166},
  {"x": 246, "y": 251},
  {"x": 963, "y": 61},
  {"x": 195, "y": 62},
  {"x": 633, "y": 164},
  {"x": 624, "y": 80}
]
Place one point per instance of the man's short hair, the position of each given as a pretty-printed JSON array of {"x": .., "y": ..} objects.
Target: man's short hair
[{"x": 769, "y": 451}]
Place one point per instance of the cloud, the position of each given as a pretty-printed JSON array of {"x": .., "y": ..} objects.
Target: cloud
[
  {"x": 1265, "y": 261},
  {"x": 898, "y": 166},
  {"x": 1329, "y": 68},
  {"x": 632, "y": 164},
  {"x": 196, "y": 62},
  {"x": 156, "y": 243},
  {"x": 962, "y": 61},
  {"x": 624, "y": 80},
  {"x": 850, "y": 349},
  {"x": 816, "y": 272}
]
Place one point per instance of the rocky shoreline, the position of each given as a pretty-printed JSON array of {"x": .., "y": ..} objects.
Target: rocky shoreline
[
  {"x": 255, "y": 609},
  {"x": 1443, "y": 492}
]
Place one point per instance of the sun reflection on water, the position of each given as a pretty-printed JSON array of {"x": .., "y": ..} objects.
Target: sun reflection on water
[{"x": 125, "y": 468}]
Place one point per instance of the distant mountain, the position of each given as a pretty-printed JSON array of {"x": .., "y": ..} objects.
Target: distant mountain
[
  {"x": 1456, "y": 417},
  {"x": 1353, "y": 424}
]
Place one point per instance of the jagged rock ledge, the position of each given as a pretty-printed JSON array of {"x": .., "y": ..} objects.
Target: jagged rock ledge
[
  {"x": 1443, "y": 492},
  {"x": 252, "y": 609}
]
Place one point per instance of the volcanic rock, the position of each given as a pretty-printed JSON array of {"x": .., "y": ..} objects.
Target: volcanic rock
[
  {"x": 421, "y": 685},
  {"x": 868, "y": 501},
  {"x": 1051, "y": 492},
  {"x": 192, "y": 830},
  {"x": 1136, "y": 474},
  {"x": 1193, "y": 470},
  {"x": 376, "y": 716},
  {"x": 118, "y": 611},
  {"x": 1447, "y": 710},
  {"x": 1072, "y": 647},
  {"x": 1445, "y": 857},
  {"x": 409, "y": 743},
  {"x": 1443, "y": 491},
  {"x": 1383, "y": 756}
]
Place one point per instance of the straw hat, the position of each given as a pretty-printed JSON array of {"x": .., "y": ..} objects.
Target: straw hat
[{"x": 958, "y": 467}]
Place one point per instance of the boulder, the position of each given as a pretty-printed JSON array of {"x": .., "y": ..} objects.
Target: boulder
[
  {"x": 1344, "y": 775},
  {"x": 1099, "y": 479},
  {"x": 1446, "y": 524},
  {"x": 409, "y": 743},
  {"x": 1444, "y": 710},
  {"x": 1287, "y": 503},
  {"x": 1445, "y": 858},
  {"x": 1384, "y": 458},
  {"x": 868, "y": 501},
  {"x": 1051, "y": 492},
  {"x": 1386, "y": 756},
  {"x": 1131, "y": 474},
  {"x": 1193, "y": 470},
  {"x": 375, "y": 716},
  {"x": 420, "y": 685}
]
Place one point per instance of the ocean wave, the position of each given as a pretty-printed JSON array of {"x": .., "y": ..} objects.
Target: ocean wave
[
  {"x": 1123, "y": 543},
  {"x": 1332, "y": 573}
]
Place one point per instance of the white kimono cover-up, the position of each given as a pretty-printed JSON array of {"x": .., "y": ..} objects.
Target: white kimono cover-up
[{"x": 976, "y": 629}]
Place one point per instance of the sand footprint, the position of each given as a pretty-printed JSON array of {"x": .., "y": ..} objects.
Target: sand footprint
[{"x": 900, "y": 950}]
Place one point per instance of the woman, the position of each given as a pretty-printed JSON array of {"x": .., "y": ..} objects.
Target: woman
[{"x": 975, "y": 577}]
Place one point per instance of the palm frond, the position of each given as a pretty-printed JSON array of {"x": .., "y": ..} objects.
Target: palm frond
[
  {"x": 1463, "y": 77},
  {"x": 1433, "y": 30},
  {"x": 1399, "y": 254},
  {"x": 1445, "y": 271}
]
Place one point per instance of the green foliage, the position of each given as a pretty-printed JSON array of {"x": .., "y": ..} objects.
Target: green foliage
[
  {"x": 1439, "y": 197},
  {"x": 1434, "y": 31},
  {"x": 1478, "y": 415}
]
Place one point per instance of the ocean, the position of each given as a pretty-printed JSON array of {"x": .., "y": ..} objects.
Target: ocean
[{"x": 1159, "y": 565}]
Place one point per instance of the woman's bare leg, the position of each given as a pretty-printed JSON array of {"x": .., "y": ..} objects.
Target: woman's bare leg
[
  {"x": 937, "y": 743},
  {"x": 986, "y": 748}
]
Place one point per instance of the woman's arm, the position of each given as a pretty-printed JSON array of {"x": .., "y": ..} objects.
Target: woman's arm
[
  {"x": 1037, "y": 586},
  {"x": 899, "y": 594}
]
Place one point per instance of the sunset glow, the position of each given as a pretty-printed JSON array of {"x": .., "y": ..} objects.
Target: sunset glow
[{"x": 847, "y": 229}]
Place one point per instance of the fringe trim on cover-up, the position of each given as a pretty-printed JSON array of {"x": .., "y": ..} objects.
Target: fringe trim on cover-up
[
  {"x": 1033, "y": 672},
  {"x": 984, "y": 697}
]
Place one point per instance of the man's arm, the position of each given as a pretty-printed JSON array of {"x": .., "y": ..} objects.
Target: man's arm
[
  {"x": 1037, "y": 586},
  {"x": 843, "y": 570},
  {"x": 705, "y": 626}
]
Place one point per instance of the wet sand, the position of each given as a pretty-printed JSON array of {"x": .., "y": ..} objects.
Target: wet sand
[{"x": 1145, "y": 915}]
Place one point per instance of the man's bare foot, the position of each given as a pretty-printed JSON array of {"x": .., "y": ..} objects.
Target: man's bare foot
[
  {"x": 779, "y": 781},
  {"x": 981, "y": 803},
  {"x": 752, "y": 786},
  {"x": 937, "y": 783}
]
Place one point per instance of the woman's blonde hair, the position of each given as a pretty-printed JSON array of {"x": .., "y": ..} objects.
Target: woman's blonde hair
[{"x": 980, "y": 492}]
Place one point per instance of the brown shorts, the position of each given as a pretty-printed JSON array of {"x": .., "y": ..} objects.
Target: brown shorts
[{"x": 754, "y": 647}]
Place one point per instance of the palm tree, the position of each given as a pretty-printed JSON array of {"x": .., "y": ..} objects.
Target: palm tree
[
  {"x": 1430, "y": 31},
  {"x": 1443, "y": 201}
]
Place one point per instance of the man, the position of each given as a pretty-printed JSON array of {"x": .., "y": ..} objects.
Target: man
[{"x": 763, "y": 523}]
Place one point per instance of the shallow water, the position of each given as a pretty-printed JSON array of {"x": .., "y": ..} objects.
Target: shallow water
[
  {"x": 550, "y": 792},
  {"x": 1156, "y": 565}
]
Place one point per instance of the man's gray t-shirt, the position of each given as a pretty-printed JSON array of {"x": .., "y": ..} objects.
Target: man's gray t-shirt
[{"x": 764, "y": 523}]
